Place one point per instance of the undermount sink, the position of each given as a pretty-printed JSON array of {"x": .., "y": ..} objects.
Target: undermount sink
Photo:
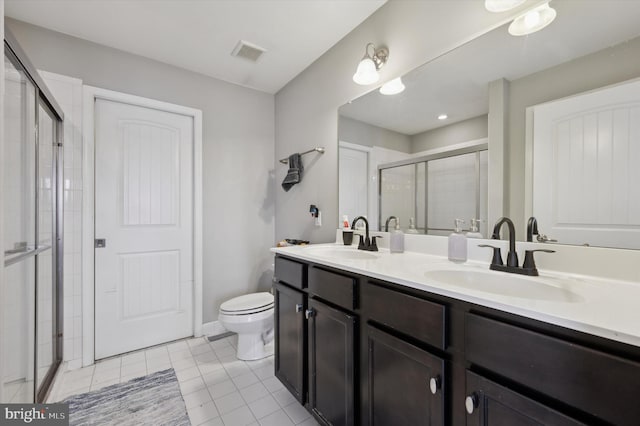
[
  {"x": 340, "y": 252},
  {"x": 505, "y": 284}
]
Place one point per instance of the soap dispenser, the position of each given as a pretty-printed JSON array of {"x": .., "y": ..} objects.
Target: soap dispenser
[
  {"x": 458, "y": 244},
  {"x": 474, "y": 232},
  {"x": 412, "y": 227},
  {"x": 396, "y": 245}
]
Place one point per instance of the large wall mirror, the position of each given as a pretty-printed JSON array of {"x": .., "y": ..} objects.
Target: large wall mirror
[{"x": 485, "y": 131}]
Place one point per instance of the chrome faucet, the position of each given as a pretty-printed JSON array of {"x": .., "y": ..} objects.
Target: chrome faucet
[
  {"x": 529, "y": 265},
  {"x": 389, "y": 219},
  {"x": 365, "y": 243}
]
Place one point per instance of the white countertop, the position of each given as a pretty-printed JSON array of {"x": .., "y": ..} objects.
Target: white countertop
[{"x": 602, "y": 307}]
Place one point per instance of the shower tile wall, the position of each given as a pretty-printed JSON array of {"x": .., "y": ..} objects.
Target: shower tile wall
[{"x": 68, "y": 93}]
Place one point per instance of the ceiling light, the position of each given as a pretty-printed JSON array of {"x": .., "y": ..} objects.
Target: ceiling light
[
  {"x": 443, "y": 117},
  {"x": 501, "y": 5},
  {"x": 392, "y": 87},
  {"x": 367, "y": 72},
  {"x": 533, "y": 20}
]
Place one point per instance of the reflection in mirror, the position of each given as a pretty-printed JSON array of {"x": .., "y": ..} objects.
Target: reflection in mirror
[
  {"x": 425, "y": 192},
  {"x": 398, "y": 188},
  {"x": 485, "y": 88}
]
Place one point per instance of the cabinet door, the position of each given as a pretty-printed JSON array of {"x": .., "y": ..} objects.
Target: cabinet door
[
  {"x": 290, "y": 343},
  {"x": 489, "y": 404},
  {"x": 406, "y": 384},
  {"x": 331, "y": 364}
]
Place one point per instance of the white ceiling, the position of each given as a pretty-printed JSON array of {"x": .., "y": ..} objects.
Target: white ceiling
[
  {"x": 199, "y": 35},
  {"x": 457, "y": 83}
]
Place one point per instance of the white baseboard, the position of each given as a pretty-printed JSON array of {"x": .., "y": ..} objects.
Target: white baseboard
[{"x": 213, "y": 328}]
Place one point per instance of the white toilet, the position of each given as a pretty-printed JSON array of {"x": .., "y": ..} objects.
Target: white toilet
[{"x": 251, "y": 316}]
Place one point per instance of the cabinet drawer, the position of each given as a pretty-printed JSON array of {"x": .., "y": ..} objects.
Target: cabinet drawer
[
  {"x": 290, "y": 272},
  {"x": 597, "y": 383},
  {"x": 335, "y": 288},
  {"x": 418, "y": 318}
]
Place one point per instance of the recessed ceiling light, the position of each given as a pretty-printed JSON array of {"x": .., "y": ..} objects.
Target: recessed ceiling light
[
  {"x": 392, "y": 87},
  {"x": 533, "y": 20},
  {"x": 443, "y": 117},
  {"x": 501, "y": 5}
]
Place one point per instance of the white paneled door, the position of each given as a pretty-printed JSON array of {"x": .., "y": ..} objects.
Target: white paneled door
[
  {"x": 586, "y": 151},
  {"x": 143, "y": 227}
]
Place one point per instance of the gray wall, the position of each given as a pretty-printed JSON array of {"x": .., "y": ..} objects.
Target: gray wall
[
  {"x": 238, "y": 147},
  {"x": 462, "y": 131},
  {"x": 608, "y": 66},
  {"x": 307, "y": 107},
  {"x": 358, "y": 132}
]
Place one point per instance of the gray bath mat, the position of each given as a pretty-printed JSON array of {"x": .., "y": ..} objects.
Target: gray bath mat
[{"x": 150, "y": 400}]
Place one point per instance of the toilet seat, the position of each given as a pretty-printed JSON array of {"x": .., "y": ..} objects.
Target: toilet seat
[{"x": 248, "y": 304}]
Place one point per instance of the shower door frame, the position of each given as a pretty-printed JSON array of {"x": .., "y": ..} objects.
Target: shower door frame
[{"x": 45, "y": 100}]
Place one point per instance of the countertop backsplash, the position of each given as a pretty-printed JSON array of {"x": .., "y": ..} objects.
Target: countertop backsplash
[{"x": 617, "y": 264}]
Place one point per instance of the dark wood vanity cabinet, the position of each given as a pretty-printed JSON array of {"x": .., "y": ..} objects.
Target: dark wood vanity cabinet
[
  {"x": 406, "y": 385},
  {"x": 489, "y": 404},
  {"x": 358, "y": 351},
  {"x": 331, "y": 363},
  {"x": 599, "y": 384},
  {"x": 315, "y": 333},
  {"x": 290, "y": 339}
]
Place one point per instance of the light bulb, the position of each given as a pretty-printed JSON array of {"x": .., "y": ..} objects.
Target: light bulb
[
  {"x": 366, "y": 73},
  {"x": 443, "y": 117},
  {"x": 533, "y": 20},
  {"x": 392, "y": 87}
]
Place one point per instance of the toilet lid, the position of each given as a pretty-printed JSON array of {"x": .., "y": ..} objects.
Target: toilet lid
[{"x": 248, "y": 303}]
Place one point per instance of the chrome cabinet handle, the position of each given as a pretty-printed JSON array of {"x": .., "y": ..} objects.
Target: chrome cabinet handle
[
  {"x": 298, "y": 307},
  {"x": 434, "y": 384},
  {"x": 309, "y": 313},
  {"x": 471, "y": 403}
]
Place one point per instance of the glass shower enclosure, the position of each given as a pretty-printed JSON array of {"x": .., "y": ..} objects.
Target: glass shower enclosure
[{"x": 31, "y": 295}]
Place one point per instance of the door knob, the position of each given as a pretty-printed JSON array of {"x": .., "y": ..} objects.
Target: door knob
[
  {"x": 308, "y": 313},
  {"x": 434, "y": 384},
  {"x": 471, "y": 403},
  {"x": 298, "y": 307}
]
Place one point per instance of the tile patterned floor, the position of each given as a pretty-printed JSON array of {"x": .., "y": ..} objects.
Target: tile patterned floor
[{"x": 217, "y": 388}]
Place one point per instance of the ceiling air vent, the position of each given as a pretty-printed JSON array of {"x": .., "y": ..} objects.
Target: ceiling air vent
[{"x": 247, "y": 50}]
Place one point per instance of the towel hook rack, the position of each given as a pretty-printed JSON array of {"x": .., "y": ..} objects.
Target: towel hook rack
[{"x": 319, "y": 149}]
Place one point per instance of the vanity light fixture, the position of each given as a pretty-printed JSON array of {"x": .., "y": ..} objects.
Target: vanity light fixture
[
  {"x": 443, "y": 117},
  {"x": 392, "y": 87},
  {"x": 498, "y": 6},
  {"x": 533, "y": 20},
  {"x": 367, "y": 71}
]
